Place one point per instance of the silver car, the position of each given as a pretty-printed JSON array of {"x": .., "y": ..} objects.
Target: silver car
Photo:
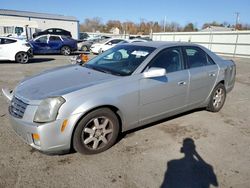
[{"x": 130, "y": 85}]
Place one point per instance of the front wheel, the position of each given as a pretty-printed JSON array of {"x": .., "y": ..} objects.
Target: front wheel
[
  {"x": 217, "y": 98},
  {"x": 96, "y": 132},
  {"x": 22, "y": 57},
  {"x": 65, "y": 50}
]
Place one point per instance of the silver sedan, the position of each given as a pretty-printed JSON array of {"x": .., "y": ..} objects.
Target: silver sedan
[{"x": 130, "y": 85}]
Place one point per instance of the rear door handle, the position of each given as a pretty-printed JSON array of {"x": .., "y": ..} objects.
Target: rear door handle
[
  {"x": 182, "y": 83},
  {"x": 212, "y": 74}
]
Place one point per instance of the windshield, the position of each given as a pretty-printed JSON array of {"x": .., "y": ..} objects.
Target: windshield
[{"x": 121, "y": 60}]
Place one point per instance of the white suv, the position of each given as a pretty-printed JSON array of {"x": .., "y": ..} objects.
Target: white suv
[{"x": 13, "y": 49}]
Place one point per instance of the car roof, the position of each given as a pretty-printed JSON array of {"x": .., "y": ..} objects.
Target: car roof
[
  {"x": 49, "y": 35},
  {"x": 13, "y": 38},
  {"x": 160, "y": 44}
]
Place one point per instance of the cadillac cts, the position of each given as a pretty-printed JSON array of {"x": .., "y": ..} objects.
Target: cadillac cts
[{"x": 130, "y": 85}]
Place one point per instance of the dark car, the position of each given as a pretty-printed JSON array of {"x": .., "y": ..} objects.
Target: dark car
[
  {"x": 54, "y": 31},
  {"x": 49, "y": 44}
]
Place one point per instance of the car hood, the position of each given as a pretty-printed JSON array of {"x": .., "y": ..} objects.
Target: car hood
[{"x": 59, "y": 81}]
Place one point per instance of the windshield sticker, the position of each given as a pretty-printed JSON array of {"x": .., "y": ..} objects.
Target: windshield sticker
[{"x": 139, "y": 53}]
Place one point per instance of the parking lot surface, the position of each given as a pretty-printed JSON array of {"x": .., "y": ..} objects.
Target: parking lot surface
[{"x": 149, "y": 157}]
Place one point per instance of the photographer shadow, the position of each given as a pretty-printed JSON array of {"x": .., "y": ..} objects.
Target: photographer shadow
[{"x": 191, "y": 171}]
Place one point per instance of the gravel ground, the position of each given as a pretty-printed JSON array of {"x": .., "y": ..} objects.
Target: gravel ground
[{"x": 149, "y": 157}]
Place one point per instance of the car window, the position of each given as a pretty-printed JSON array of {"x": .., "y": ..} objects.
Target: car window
[
  {"x": 7, "y": 41},
  {"x": 116, "y": 41},
  {"x": 42, "y": 39},
  {"x": 54, "y": 38},
  {"x": 19, "y": 30},
  {"x": 210, "y": 61},
  {"x": 169, "y": 59},
  {"x": 196, "y": 57},
  {"x": 50, "y": 31}
]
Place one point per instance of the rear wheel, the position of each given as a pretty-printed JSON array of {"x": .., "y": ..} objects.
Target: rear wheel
[
  {"x": 65, "y": 50},
  {"x": 84, "y": 48},
  {"x": 217, "y": 98},
  {"x": 96, "y": 132},
  {"x": 22, "y": 57}
]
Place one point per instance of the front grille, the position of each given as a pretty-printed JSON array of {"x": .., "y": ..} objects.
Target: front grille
[{"x": 17, "y": 108}]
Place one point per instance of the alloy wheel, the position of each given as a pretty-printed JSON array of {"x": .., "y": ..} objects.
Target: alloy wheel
[
  {"x": 218, "y": 98},
  {"x": 97, "y": 133}
]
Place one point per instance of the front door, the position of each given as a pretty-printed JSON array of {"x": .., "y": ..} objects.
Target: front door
[
  {"x": 40, "y": 45},
  {"x": 162, "y": 95}
]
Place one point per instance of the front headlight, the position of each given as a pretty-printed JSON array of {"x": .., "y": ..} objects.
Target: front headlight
[{"x": 48, "y": 109}]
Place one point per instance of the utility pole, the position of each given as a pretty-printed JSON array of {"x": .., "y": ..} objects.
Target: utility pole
[
  {"x": 164, "y": 26},
  {"x": 237, "y": 20}
]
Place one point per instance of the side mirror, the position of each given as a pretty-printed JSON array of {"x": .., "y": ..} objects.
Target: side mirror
[
  {"x": 154, "y": 72},
  {"x": 109, "y": 43}
]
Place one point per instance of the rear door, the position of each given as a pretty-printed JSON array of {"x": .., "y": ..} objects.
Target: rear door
[
  {"x": 55, "y": 44},
  {"x": 203, "y": 74},
  {"x": 7, "y": 49},
  {"x": 162, "y": 95}
]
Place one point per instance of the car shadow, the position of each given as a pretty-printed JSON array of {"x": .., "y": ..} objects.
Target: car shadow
[
  {"x": 40, "y": 60},
  {"x": 31, "y": 61},
  {"x": 189, "y": 171}
]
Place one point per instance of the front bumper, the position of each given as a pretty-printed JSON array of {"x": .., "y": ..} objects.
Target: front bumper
[
  {"x": 51, "y": 137},
  {"x": 52, "y": 140}
]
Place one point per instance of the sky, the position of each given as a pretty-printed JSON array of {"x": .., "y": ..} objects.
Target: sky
[{"x": 180, "y": 11}]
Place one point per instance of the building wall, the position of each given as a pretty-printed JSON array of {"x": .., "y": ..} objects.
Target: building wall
[
  {"x": 71, "y": 26},
  {"x": 231, "y": 43}
]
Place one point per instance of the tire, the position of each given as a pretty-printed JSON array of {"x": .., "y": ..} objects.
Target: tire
[
  {"x": 96, "y": 132},
  {"x": 100, "y": 51},
  {"x": 217, "y": 98},
  {"x": 22, "y": 57},
  {"x": 84, "y": 48},
  {"x": 65, "y": 50}
]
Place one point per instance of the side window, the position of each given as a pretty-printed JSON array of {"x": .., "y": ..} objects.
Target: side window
[
  {"x": 115, "y": 41},
  {"x": 54, "y": 38},
  {"x": 195, "y": 57},
  {"x": 6, "y": 41},
  {"x": 58, "y": 31},
  {"x": 169, "y": 59},
  {"x": 42, "y": 39},
  {"x": 50, "y": 31}
]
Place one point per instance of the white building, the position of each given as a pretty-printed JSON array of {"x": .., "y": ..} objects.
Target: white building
[
  {"x": 12, "y": 21},
  {"x": 217, "y": 28},
  {"x": 115, "y": 31}
]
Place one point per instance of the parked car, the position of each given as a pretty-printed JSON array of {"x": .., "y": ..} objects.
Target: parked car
[
  {"x": 104, "y": 45},
  {"x": 13, "y": 49},
  {"x": 85, "y": 45},
  {"x": 47, "y": 44},
  {"x": 53, "y": 31},
  {"x": 83, "y": 36},
  {"x": 88, "y": 106},
  {"x": 133, "y": 41}
]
